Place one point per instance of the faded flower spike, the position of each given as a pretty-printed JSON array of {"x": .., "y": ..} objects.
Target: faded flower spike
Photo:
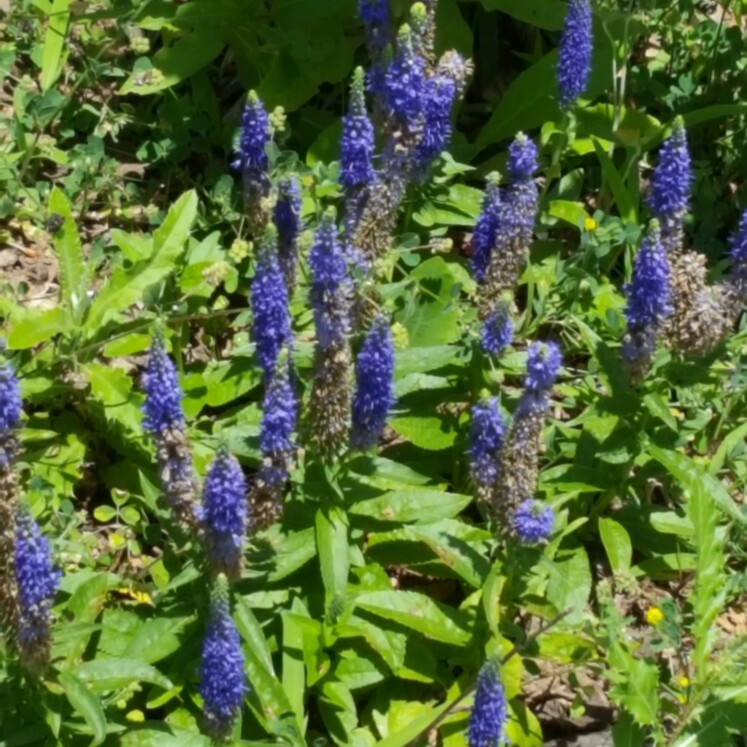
[
  {"x": 374, "y": 391},
  {"x": 10, "y": 414},
  {"x": 649, "y": 302},
  {"x": 37, "y": 582},
  {"x": 331, "y": 288},
  {"x": 222, "y": 681},
  {"x": 223, "y": 515},
  {"x": 271, "y": 328},
  {"x": 485, "y": 438},
  {"x": 163, "y": 394},
  {"x": 487, "y": 721},
  {"x": 287, "y": 215},
  {"x": 357, "y": 143},
  {"x": 251, "y": 159},
  {"x": 574, "y": 55},
  {"x": 671, "y": 185},
  {"x": 533, "y": 521}
]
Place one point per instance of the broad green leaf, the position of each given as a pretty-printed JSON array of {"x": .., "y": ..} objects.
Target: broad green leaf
[
  {"x": 693, "y": 478},
  {"x": 416, "y": 726},
  {"x": 628, "y": 210},
  {"x": 73, "y": 272},
  {"x": 420, "y": 613},
  {"x": 456, "y": 554},
  {"x": 37, "y": 325},
  {"x": 251, "y": 631},
  {"x": 54, "y": 43},
  {"x": 491, "y": 597},
  {"x": 86, "y": 704},
  {"x": 415, "y": 505},
  {"x": 159, "y": 734},
  {"x": 570, "y": 582},
  {"x": 731, "y": 441},
  {"x": 294, "y": 673},
  {"x": 430, "y": 432},
  {"x": 668, "y": 522},
  {"x": 617, "y": 544},
  {"x": 573, "y": 213},
  {"x": 424, "y": 359},
  {"x": 158, "y": 638},
  {"x": 113, "y": 388},
  {"x": 113, "y": 674},
  {"x": 173, "y": 64},
  {"x": 133, "y": 246},
  {"x": 127, "y": 285},
  {"x": 332, "y": 545}
]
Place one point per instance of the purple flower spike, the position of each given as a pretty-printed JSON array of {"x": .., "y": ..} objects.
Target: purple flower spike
[
  {"x": 163, "y": 394},
  {"x": 222, "y": 681},
  {"x": 223, "y": 515},
  {"x": 533, "y": 521},
  {"x": 37, "y": 581},
  {"x": 271, "y": 319},
  {"x": 486, "y": 228},
  {"x": 374, "y": 391},
  {"x": 574, "y": 57},
  {"x": 357, "y": 144},
  {"x": 487, "y": 721},
  {"x": 405, "y": 82}
]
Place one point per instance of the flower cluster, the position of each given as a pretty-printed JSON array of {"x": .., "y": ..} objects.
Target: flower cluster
[
  {"x": 271, "y": 328},
  {"x": 164, "y": 420},
  {"x": 671, "y": 186},
  {"x": 486, "y": 228},
  {"x": 505, "y": 470},
  {"x": 486, "y": 439},
  {"x": 374, "y": 392},
  {"x": 251, "y": 157},
  {"x": 287, "y": 216},
  {"x": 489, "y": 715},
  {"x": 404, "y": 83},
  {"x": 574, "y": 57},
  {"x": 649, "y": 302},
  {"x": 357, "y": 143},
  {"x": 223, "y": 515},
  {"x": 222, "y": 681},
  {"x": 10, "y": 414},
  {"x": 37, "y": 582}
]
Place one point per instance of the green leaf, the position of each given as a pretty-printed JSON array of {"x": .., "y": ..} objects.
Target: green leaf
[
  {"x": 158, "y": 638},
  {"x": 544, "y": 14},
  {"x": 456, "y": 554},
  {"x": 625, "y": 204},
  {"x": 73, "y": 274},
  {"x": 420, "y": 613},
  {"x": 251, "y": 631},
  {"x": 571, "y": 212},
  {"x": 126, "y": 286},
  {"x": 732, "y": 440},
  {"x": 85, "y": 703},
  {"x": 415, "y": 505},
  {"x": 639, "y": 696},
  {"x": 175, "y": 63},
  {"x": 570, "y": 582},
  {"x": 104, "y": 513},
  {"x": 332, "y": 545},
  {"x": 431, "y": 432},
  {"x": 294, "y": 672},
  {"x": 416, "y": 726},
  {"x": 617, "y": 544},
  {"x": 37, "y": 325},
  {"x": 692, "y": 478},
  {"x": 112, "y": 674},
  {"x": 491, "y": 597},
  {"x": 54, "y": 43},
  {"x": 113, "y": 388}
]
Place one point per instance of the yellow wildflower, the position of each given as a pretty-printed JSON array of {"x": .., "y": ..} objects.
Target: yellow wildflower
[
  {"x": 683, "y": 681},
  {"x": 590, "y": 224},
  {"x": 654, "y": 615}
]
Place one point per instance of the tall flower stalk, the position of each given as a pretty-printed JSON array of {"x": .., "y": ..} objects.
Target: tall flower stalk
[
  {"x": 330, "y": 297},
  {"x": 487, "y": 431},
  {"x": 164, "y": 420},
  {"x": 518, "y": 470},
  {"x": 252, "y": 162},
  {"x": 649, "y": 303},
  {"x": 222, "y": 680},
  {"x": 574, "y": 55},
  {"x": 223, "y": 515},
  {"x": 276, "y": 444},
  {"x": 287, "y": 215},
  {"x": 489, "y": 715}
]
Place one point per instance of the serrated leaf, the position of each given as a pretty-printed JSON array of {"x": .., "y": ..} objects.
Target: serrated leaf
[
  {"x": 332, "y": 546},
  {"x": 73, "y": 272},
  {"x": 38, "y": 325},
  {"x": 86, "y": 704}
]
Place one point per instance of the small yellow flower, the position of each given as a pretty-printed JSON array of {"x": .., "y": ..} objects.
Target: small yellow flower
[
  {"x": 590, "y": 224},
  {"x": 683, "y": 681},
  {"x": 682, "y": 699},
  {"x": 654, "y": 615}
]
